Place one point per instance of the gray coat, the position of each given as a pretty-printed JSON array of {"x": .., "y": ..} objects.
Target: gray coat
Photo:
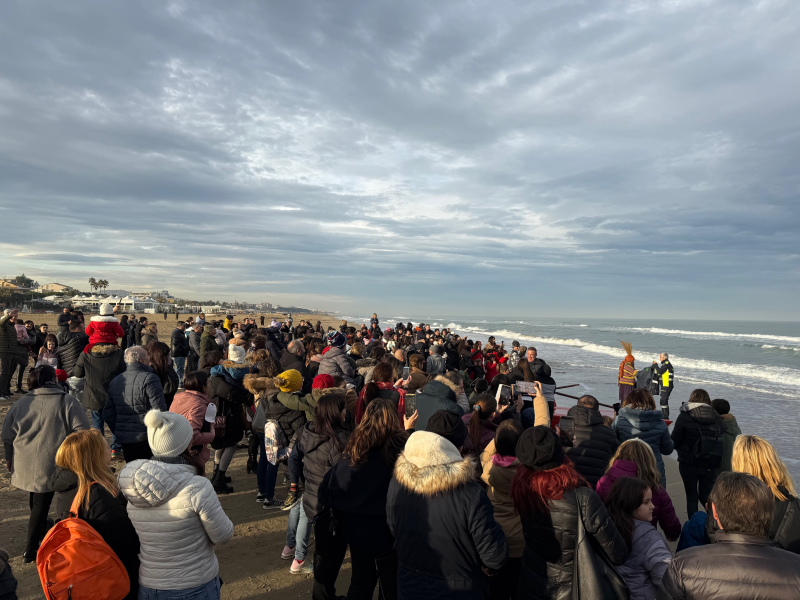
[
  {"x": 649, "y": 426},
  {"x": 334, "y": 362},
  {"x": 130, "y": 396},
  {"x": 647, "y": 562},
  {"x": 34, "y": 429},
  {"x": 99, "y": 366}
]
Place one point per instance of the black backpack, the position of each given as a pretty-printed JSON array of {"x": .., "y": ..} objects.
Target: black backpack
[{"x": 709, "y": 450}]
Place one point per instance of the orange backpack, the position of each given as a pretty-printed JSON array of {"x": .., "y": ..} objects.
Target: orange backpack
[{"x": 74, "y": 561}]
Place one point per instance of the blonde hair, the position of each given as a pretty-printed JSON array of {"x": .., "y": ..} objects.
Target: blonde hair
[
  {"x": 84, "y": 453},
  {"x": 639, "y": 452},
  {"x": 756, "y": 456}
]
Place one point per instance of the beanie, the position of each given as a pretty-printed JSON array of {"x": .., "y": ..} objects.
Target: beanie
[
  {"x": 448, "y": 425},
  {"x": 236, "y": 354},
  {"x": 425, "y": 449},
  {"x": 322, "y": 382},
  {"x": 238, "y": 334},
  {"x": 168, "y": 433},
  {"x": 290, "y": 381},
  {"x": 106, "y": 310},
  {"x": 336, "y": 339},
  {"x": 540, "y": 449}
]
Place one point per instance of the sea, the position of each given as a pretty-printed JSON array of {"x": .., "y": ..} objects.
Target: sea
[{"x": 753, "y": 365}]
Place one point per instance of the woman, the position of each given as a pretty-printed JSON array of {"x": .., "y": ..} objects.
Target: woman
[
  {"x": 639, "y": 418},
  {"x": 201, "y": 412},
  {"x": 757, "y": 457},
  {"x": 480, "y": 425},
  {"x": 34, "y": 429},
  {"x": 550, "y": 497},
  {"x": 47, "y": 353},
  {"x": 149, "y": 333},
  {"x": 84, "y": 470},
  {"x": 627, "y": 373},
  {"x": 521, "y": 372},
  {"x": 698, "y": 421},
  {"x": 123, "y": 322},
  {"x": 381, "y": 386},
  {"x": 162, "y": 365},
  {"x": 313, "y": 358},
  {"x": 176, "y": 514},
  {"x": 357, "y": 492}
]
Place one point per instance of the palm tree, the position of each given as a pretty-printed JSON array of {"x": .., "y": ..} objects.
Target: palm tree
[
  {"x": 103, "y": 283},
  {"x": 92, "y": 283}
]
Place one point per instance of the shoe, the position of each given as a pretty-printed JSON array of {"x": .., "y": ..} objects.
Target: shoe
[
  {"x": 301, "y": 568},
  {"x": 18, "y": 390},
  {"x": 287, "y": 553},
  {"x": 116, "y": 454},
  {"x": 665, "y": 412},
  {"x": 273, "y": 504},
  {"x": 218, "y": 481},
  {"x": 27, "y": 560},
  {"x": 4, "y": 398},
  {"x": 291, "y": 500},
  {"x": 261, "y": 498}
]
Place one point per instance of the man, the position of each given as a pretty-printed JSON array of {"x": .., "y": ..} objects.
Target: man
[
  {"x": 666, "y": 375},
  {"x": 595, "y": 443},
  {"x": 515, "y": 355},
  {"x": 71, "y": 347},
  {"x": 400, "y": 355},
  {"x": 194, "y": 346},
  {"x": 262, "y": 320},
  {"x": 274, "y": 344},
  {"x": 743, "y": 563},
  {"x": 99, "y": 367},
  {"x": 179, "y": 350},
  {"x": 435, "y": 363},
  {"x": 541, "y": 372},
  {"x": 440, "y": 393},
  {"x": 130, "y": 395},
  {"x": 293, "y": 358},
  {"x": 63, "y": 320},
  {"x": 208, "y": 341},
  {"x": 137, "y": 333},
  {"x": 41, "y": 335},
  {"x": 11, "y": 351}
]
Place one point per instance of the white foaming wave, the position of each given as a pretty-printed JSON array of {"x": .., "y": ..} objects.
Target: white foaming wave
[
  {"x": 714, "y": 334},
  {"x": 582, "y": 325},
  {"x": 768, "y": 346}
]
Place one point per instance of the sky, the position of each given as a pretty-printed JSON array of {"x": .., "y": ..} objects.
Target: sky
[{"x": 595, "y": 158}]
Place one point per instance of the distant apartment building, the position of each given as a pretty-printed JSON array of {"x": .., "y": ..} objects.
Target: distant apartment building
[{"x": 54, "y": 287}]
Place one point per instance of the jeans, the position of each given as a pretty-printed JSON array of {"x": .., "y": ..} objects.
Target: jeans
[
  {"x": 267, "y": 473},
  {"x": 179, "y": 362},
  {"x": 298, "y": 532},
  {"x": 697, "y": 483},
  {"x": 207, "y": 591},
  {"x": 368, "y": 569},
  {"x": 37, "y": 524},
  {"x": 99, "y": 423}
]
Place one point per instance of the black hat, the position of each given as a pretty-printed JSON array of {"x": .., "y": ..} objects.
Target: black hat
[
  {"x": 540, "y": 449},
  {"x": 448, "y": 425}
]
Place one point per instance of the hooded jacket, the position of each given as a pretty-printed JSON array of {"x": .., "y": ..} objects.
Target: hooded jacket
[
  {"x": 696, "y": 419},
  {"x": 648, "y": 561},
  {"x": 70, "y": 347},
  {"x": 227, "y": 391},
  {"x": 194, "y": 342},
  {"x": 648, "y": 426},
  {"x": 334, "y": 362},
  {"x": 732, "y": 431},
  {"x": 178, "y": 518},
  {"x": 99, "y": 366},
  {"x": 270, "y": 408},
  {"x": 208, "y": 343},
  {"x": 595, "y": 443},
  {"x": 438, "y": 394},
  {"x": 104, "y": 329},
  {"x": 498, "y": 477},
  {"x": 130, "y": 395}
]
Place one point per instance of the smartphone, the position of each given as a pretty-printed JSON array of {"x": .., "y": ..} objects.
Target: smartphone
[
  {"x": 567, "y": 427},
  {"x": 503, "y": 395},
  {"x": 406, "y": 372},
  {"x": 411, "y": 404}
]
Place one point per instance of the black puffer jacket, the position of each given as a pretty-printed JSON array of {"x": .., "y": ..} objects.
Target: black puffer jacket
[
  {"x": 179, "y": 344},
  {"x": 99, "y": 367},
  {"x": 69, "y": 349},
  {"x": 549, "y": 554},
  {"x": 452, "y": 359},
  {"x": 693, "y": 420},
  {"x": 737, "y": 566},
  {"x": 229, "y": 399},
  {"x": 318, "y": 455},
  {"x": 269, "y": 408},
  {"x": 785, "y": 529},
  {"x": 130, "y": 395},
  {"x": 290, "y": 360},
  {"x": 595, "y": 443}
]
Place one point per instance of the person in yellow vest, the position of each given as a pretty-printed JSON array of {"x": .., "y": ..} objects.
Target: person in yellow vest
[
  {"x": 666, "y": 375},
  {"x": 627, "y": 373}
]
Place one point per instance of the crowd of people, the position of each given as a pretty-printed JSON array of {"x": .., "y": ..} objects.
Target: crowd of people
[{"x": 397, "y": 444}]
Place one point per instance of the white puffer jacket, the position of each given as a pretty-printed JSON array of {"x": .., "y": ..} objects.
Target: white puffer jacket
[{"x": 179, "y": 519}]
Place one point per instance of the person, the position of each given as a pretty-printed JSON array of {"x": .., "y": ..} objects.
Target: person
[
  {"x": 550, "y": 496},
  {"x": 48, "y": 354},
  {"x": 294, "y": 358},
  {"x": 697, "y": 422},
  {"x": 635, "y": 458},
  {"x": 732, "y": 431},
  {"x": 162, "y": 367},
  {"x": 98, "y": 368},
  {"x": 84, "y": 475},
  {"x": 200, "y": 319},
  {"x": 638, "y": 418},
  {"x": 64, "y": 320},
  {"x": 417, "y": 377},
  {"x": 194, "y": 347},
  {"x": 103, "y": 328},
  {"x": 262, "y": 320},
  {"x": 358, "y": 486},
  {"x": 130, "y": 395},
  {"x": 743, "y": 563},
  {"x": 149, "y": 334},
  {"x": 8, "y": 583},
  {"x": 629, "y": 504},
  {"x": 126, "y": 326},
  {"x": 436, "y": 364},
  {"x": 594, "y": 442},
  {"x": 176, "y": 514},
  {"x": 71, "y": 346},
  {"x": 438, "y": 393},
  {"x": 34, "y": 428},
  {"x": 194, "y": 404},
  {"x": 626, "y": 379},
  {"x": 208, "y": 341},
  {"x": 757, "y": 457},
  {"x": 179, "y": 350},
  {"x": 334, "y": 362},
  {"x": 137, "y": 331},
  {"x": 481, "y": 425},
  {"x": 381, "y": 386},
  {"x": 666, "y": 381},
  {"x": 446, "y": 537}
]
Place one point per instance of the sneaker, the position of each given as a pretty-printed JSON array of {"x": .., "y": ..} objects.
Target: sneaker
[
  {"x": 287, "y": 553},
  {"x": 291, "y": 500},
  {"x": 116, "y": 454},
  {"x": 273, "y": 504},
  {"x": 261, "y": 498},
  {"x": 301, "y": 567},
  {"x": 4, "y": 398}
]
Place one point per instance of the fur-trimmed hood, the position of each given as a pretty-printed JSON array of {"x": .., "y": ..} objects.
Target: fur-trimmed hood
[
  {"x": 103, "y": 319},
  {"x": 103, "y": 349},
  {"x": 256, "y": 384},
  {"x": 431, "y": 465}
]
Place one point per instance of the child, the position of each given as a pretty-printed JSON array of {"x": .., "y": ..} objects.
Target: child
[
  {"x": 630, "y": 506},
  {"x": 732, "y": 430},
  {"x": 22, "y": 334},
  {"x": 47, "y": 354},
  {"x": 635, "y": 458},
  {"x": 103, "y": 328}
]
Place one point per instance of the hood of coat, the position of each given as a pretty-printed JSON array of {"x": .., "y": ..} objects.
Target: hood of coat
[
  {"x": 104, "y": 349},
  {"x": 702, "y": 413},
  {"x": 255, "y": 384},
  {"x": 149, "y": 483},
  {"x": 237, "y": 371},
  {"x": 313, "y": 440},
  {"x": 585, "y": 417},
  {"x": 333, "y": 352},
  {"x": 643, "y": 420},
  {"x": 430, "y": 465},
  {"x": 442, "y": 387},
  {"x": 366, "y": 362},
  {"x": 103, "y": 319},
  {"x": 623, "y": 468},
  {"x": 190, "y": 397}
]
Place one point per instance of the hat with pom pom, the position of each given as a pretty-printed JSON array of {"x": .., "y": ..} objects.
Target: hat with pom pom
[
  {"x": 168, "y": 433},
  {"x": 290, "y": 381}
]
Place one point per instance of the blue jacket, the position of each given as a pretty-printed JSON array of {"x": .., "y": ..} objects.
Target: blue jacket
[
  {"x": 648, "y": 426},
  {"x": 694, "y": 532},
  {"x": 130, "y": 395}
]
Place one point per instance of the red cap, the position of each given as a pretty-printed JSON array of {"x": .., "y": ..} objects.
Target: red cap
[
  {"x": 61, "y": 375},
  {"x": 322, "y": 382}
]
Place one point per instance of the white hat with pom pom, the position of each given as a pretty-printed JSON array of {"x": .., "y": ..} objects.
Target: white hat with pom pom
[{"x": 168, "y": 433}]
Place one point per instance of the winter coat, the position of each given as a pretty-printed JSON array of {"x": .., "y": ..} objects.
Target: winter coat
[
  {"x": 443, "y": 523},
  {"x": 104, "y": 330},
  {"x": 452, "y": 360},
  {"x": 547, "y": 562},
  {"x": 99, "y": 366},
  {"x": 732, "y": 431},
  {"x": 696, "y": 419},
  {"x": 8, "y": 337},
  {"x": 438, "y": 394},
  {"x": 435, "y": 365},
  {"x": 290, "y": 360},
  {"x": 208, "y": 343},
  {"x": 178, "y": 518},
  {"x": 334, "y": 362},
  {"x": 107, "y": 515},
  {"x": 148, "y": 336},
  {"x": 194, "y": 342},
  {"x": 130, "y": 395},
  {"x": 269, "y": 407},
  {"x": 737, "y": 566},
  {"x": 193, "y": 406},
  {"x": 169, "y": 383},
  {"x": 317, "y": 454},
  {"x": 179, "y": 344},
  {"x": 785, "y": 530},
  {"x": 70, "y": 347},
  {"x": 595, "y": 443},
  {"x": 648, "y": 426},
  {"x": 694, "y": 532},
  {"x": 498, "y": 477},
  {"x": 230, "y": 395},
  {"x": 663, "y": 511},
  {"x": 33, "y": 430},
  {"x": 648, "y": 561},
  {"x": 8, "y": 583}
]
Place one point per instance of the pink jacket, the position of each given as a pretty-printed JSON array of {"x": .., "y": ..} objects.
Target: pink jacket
[
  {"x": 663, "y": 513},
  {"x": 193, "y": 405}
]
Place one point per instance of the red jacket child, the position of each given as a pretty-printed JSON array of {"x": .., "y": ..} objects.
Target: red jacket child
[{"x": 104, "y": 328}]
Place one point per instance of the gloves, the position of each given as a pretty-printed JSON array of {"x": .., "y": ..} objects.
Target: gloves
[{"x": 211, "y": 413}]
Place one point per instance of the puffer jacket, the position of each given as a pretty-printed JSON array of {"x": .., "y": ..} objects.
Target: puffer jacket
[
  {"x": 227, "y": 391},
  {"x": 130, "y": 395},
  {"x": 99, "y": 366},
  {"x": 595, "y": 443},
  {"x": 498, "y": 477},
  {"x": 8, "y": 337},
  {"x": 438, "y": 394},
  {"x": 208, "y": 343},
  {"x": 732, "y": 431},
  {"x": 70, "y": 347},
  {"x": 696, "y": 419},
  {"x": 334, "y": 363},
  {"x": 194, "y": 342},
  {"x": 785, "y": 530},
  {"x": 648, "y": 561},
  {"x": 648, "y": 426},
  {"x": 737, "y": 566},
  {"x": 547, "y": 561},
  {"x": 178, "y": 518},
  {"x": 179, "y": 344},
  {"x": 270, "y": 408},
  {"x": 193, "y": 405}
]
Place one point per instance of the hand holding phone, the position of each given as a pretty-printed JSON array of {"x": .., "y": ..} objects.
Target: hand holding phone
[{"x": 538, "y": 387}]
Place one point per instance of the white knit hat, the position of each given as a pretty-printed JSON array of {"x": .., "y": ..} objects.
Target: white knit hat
[
  {"x": 236, "y": 354},
  {"x": 168, "y": 433},
  {"x": 106, "y": 310}
]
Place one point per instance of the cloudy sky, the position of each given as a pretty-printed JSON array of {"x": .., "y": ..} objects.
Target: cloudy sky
[{"x": 567, "y": 158}]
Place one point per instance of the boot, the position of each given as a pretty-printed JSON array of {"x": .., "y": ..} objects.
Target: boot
[
  {"x": 218, "y": 481},
  {"x": 665, "y": 411}
]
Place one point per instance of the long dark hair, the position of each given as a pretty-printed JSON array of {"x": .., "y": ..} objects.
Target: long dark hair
[
  {"x": 485, "y": 405},
  {"x": 626, "y": 495},
  {"x": 382, "y": 373},
  {"x": 522, "y": 365},
  {"x": 379, "y": 428},
  {"x": 210, "y": 359},
  {"x": 507, "y": 436},
  {"x": 328, "y": 418},
  {"x": 159, "y": 358},
  {"x": 497, "y": 381},
  {"x": 40, "y": 375}
]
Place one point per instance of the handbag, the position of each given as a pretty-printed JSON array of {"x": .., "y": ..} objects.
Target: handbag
[
  {"x": 593, "y": 575},
  {"x": 221, "y": 420}
]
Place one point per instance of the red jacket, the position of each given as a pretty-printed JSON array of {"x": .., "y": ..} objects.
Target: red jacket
[{"x": 103, "y": 330}]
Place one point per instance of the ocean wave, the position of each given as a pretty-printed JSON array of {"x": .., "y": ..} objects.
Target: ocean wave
[
  {"x": 771, "y": 346},
  {"x": 582, "y": 325},
  {"x": 713, "y": 334}
]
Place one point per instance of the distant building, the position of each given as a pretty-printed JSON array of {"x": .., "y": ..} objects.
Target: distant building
[
  {"x": 150, "y": 294},
  {"x": 54, "y": 287},
  {"x": 127, "y": 304}
]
